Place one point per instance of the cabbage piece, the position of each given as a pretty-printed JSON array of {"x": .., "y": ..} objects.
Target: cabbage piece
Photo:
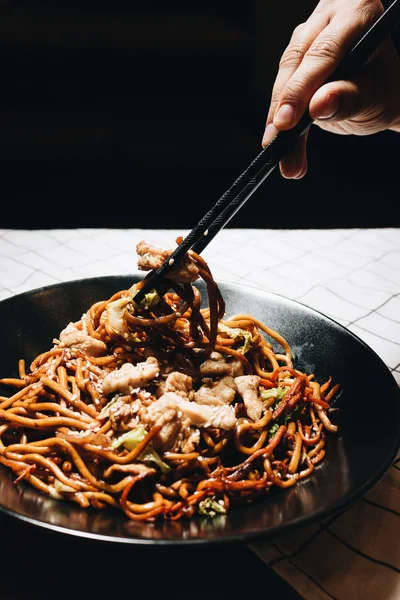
[
  {"x": 105, "y": 411},
  {"x": 62, "y": 487},
  {"x": 57, "y": 490},
  {"x": 273, "y": 429},
  {"x": 54, "y": 494},
  {"x": 210, "y": 507},
  {"x": 150, "y": 299},
  {"x": 278, "y": 393},
  {"x": 238, "y": 335},
  {"x": 113, "y": 316},
  {"x": 151, "y": 456},
  {"x": 131, "y": 439}
]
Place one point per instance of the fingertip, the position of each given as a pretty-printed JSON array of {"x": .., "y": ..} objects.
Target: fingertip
[
  {"x": 294, "y": 164},
  {"x": 299, "y": 175},
  {"x": 302, "y": 173},
  {"x": 292, "y": 169},
  {"x": 269, "y": 134},
  {"x": 284, "y": 118}
]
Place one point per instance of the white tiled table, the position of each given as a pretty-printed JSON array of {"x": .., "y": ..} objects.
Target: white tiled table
[{"x": 351, "y": 275}]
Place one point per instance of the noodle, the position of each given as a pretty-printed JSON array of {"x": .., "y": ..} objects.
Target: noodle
[{"x": 164, "y": 409}]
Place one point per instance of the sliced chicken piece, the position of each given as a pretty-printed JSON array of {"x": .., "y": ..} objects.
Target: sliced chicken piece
[
  {"x": 217, "y": 365},
  {"x": 75, "y": 335},
  {"x": 217, "y": 393},
  {"x": 201, "y": 415},
  {"x": 176, "y": 433},
  {"x": 132, "y": 469},
  {"x": 123, "y": 413},
  {"x": 248, "y": 389},
  {"x": 237, "y": 368},
  {"x": 221, "y": 417},
  {"x": 189, "y": 442},
  {"x": 165, "y": 412},
  {"x": 151, "y": 257},
  {"x": 179, "y": 383},
  {"x": 129, "y": 376}
]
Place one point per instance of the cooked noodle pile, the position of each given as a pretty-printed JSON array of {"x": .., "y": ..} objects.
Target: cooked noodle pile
[{"x": 164, "y": 409}]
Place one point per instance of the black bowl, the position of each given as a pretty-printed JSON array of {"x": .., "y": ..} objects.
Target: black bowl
[{"x": 356, "y": 458}]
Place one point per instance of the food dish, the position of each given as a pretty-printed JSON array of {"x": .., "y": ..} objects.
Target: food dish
[
  {"x": 165, "y": 408},
  {"x": 319, "y": 345}
]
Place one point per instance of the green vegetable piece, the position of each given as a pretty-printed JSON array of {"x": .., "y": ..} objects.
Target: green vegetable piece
[
  {"x": 210, "y": 507},
  {"x": 238, "y": 334},
  {"x": 273, "y": 429},
  {"x": 151, "y": 456},
  {"x": 278, "y": 393},
  {"x": 150, "y": 299},
  {"x": 132, "y": 438}
]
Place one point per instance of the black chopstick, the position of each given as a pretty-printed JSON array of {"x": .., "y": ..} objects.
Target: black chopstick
[{"x": 266, "y": 161}]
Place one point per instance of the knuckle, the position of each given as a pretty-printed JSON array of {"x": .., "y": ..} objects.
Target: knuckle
[
  {"x": 369, "y": 11},
  {"x": 327, "y": 49},
  {"x": 292, "y": 56},
  {"x": 294, "y": 91}
]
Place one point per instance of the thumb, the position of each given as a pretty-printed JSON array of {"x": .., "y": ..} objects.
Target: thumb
[{"x": 336, "y": 101}]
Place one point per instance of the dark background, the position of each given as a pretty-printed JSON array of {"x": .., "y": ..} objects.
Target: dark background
[{"x": 141, "y": 114}]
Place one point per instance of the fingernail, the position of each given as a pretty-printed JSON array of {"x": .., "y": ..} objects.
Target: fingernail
[
  {"x": 330, "y": 107},
  {"x": 269, "y": 134},
  {"x": 284, "y": 117}
]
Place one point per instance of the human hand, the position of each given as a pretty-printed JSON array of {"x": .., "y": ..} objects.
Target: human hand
[{"x": 367, "y": 104}]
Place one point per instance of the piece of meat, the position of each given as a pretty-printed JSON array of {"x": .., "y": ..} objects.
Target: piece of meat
[
  {"x": 221, "y": 417},
  {"x": 165, "y": 412},
  {"x": 189, "y": 441},
  {"x": 132, "y": 469},
  {"x": 237, "y": 368},
  {"x": 179, "y": 383},
  {"x": 129, "y": 376},
  {"x": 201, "y": 415},
  {"x": 248, "y": 389},
  {"x": 151, "y": 257},
  {"x": 217, "y": 393},
  {"x": 75, "y": 335},
  {"x": 217, "y": 366},
  {"x": 176, "y": 434},
  {"x": 123, "y": 414}
]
